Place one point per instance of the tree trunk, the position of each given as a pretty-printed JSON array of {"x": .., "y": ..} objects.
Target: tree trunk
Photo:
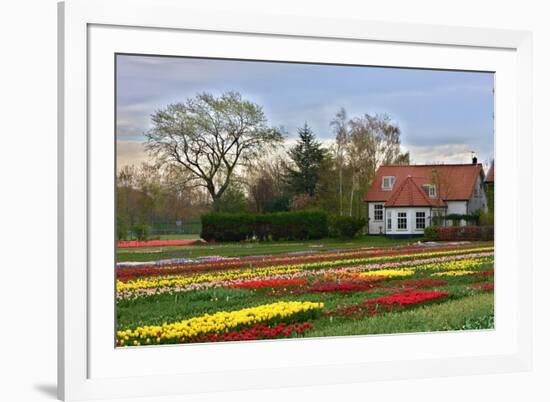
[
  {"x": 341, "y": 190},
  {"x": 351, "y": 196}
]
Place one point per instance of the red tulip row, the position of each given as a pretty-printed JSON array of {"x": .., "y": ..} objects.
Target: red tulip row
[
  {"x": 371, "y": 307},
  {"x": 347, "y": 286},
  {"x": 128, "y": 273},
  {"x": 256, "y": 332},
  {"x": 157, "y": 243},
  {"x": 418, "y": 283},
  {"x": 269, "y": 283},
  {"x": 484, "y": 286}
]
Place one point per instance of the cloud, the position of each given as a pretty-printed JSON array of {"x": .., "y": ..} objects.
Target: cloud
[
  {"x": 131, "y": 153},
  {"x": 442, "y": 153}
]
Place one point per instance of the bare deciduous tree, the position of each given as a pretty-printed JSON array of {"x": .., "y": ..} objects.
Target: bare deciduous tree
[
  {"x": 374, "y": 140},
  {"x": 340, "y": 125},
  {"x": 210, "y": 137}
]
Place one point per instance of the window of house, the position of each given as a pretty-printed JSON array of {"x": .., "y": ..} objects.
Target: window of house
[
  {"x": 430, "y": 190},
  {"x": 402, "y": 220},
  {"x": 420, "y": 220},
  {"x": 388, "y": 219},
  {"x": 387, "y": 182},
  {"x": 378, "y": 212}
]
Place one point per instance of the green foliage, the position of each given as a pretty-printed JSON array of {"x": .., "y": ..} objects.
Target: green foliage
[
  {"x": 296, "y": 225},
  {"x": 233, "y": 200},
  {"x": 219, "y": 226},
  {"x": 431, "y": 233},
  {"x": 487, "y": 218},
  {"x": 141, "y": 231},
  {"x": 307, "y": 156},
  {"x": 121, "y": 228},
  {"x": 345, "y": 226},
  {"x": 491, "y": 197},
  {"x": 279, "y": 204}
]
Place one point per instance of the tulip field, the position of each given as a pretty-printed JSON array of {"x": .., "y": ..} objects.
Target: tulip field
[{"x": 221, "y": 295}]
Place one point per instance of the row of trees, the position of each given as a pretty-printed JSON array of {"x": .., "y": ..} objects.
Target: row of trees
[{"x": 219, "y": 153}]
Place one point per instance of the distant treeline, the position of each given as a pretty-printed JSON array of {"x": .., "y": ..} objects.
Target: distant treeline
[{"x": 219, "y": 154}]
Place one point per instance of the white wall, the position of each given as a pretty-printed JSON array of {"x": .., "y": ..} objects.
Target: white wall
[
  {"x": 479, "y": 202},
  {"x": 411, "y": 220},
  {"x": 375, "y": 227},
  {"x": 457, "y": 207},
  {"x": 28, "y": 30}
]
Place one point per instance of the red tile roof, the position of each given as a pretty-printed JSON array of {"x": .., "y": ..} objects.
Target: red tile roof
[
  {"x": 491, "y": 175},
  {"x": 453, "y": 182},
  {"x": 409, "y": 193}
]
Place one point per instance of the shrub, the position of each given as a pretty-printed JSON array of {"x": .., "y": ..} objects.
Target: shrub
[
  {"x": 345, "y": 226},
  {"x": 278, "y": 204},
  {"x": 431, "y": 233},
  {"x": 457, "y": 233},
  {"x": 121, "y": 228},
  {"x": 141, "y": 231},
  {"x": 227, "y": 227},
  {"x": 486, "y": 218},
  {"x": 298, "y": 225}
]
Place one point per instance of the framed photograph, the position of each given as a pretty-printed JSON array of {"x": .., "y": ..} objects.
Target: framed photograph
[{"x": 255, "y": 201}]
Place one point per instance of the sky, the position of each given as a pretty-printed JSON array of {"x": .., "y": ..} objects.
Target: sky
[{"x": 443, "y": 115}]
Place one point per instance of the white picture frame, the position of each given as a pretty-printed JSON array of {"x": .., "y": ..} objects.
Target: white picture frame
[{"x": 90, "y": 31}]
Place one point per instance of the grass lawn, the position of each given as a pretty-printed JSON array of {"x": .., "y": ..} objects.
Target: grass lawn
[
  {"x": 470, "y": 312},
  {"x": 256, "y": 248}
]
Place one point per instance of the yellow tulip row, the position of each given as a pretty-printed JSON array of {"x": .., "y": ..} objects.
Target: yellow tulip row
[
  {"x": 388, "y": 273},
  {"x": 454, "y": 265},
  {"x": 218, "y": 322},
  {"x": 182, "y": 280},
  {"x": 453, "y": 273}
]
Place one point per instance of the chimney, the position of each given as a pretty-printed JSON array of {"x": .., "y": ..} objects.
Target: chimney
[{"x": 474, "y": 160}]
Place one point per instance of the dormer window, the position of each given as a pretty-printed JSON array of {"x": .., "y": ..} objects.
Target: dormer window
[
  {"x": 430, "y": 190},
  {"x": 387, "y": 182}
]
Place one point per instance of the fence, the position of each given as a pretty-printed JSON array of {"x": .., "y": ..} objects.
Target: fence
[{"x": 178, "y": 227}]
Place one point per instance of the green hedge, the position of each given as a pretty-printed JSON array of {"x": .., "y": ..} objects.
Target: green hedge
[
  {"x": 458, "y": 233},
  {"x": 295, "y": 225},
  {"x": 227, "y": 227},
  {"x": 345, "y": 226}
]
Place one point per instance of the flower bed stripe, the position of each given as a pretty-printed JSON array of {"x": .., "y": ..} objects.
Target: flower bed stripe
[
  {"x": 153, "y": 286},
  {"x": 257, "y": 332},
  {"x": 219, "y": 322},
  {"x": 269, "y": 283},
  {"x": 382, "y": 304},
  {"x": 128, "y": 273}
]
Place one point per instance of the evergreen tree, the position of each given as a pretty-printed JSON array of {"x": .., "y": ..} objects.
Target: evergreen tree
[{"x": 307, "y": 157}]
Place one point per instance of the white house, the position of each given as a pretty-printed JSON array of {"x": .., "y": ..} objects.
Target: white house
[{"x": 403, "y": 199}]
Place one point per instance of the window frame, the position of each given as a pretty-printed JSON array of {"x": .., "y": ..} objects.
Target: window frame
[
  {"x": 388, "y": 221},
  {"x": 391, "y": 182},
  {"x": 423, "y": 218},
  {"x": 381, "y": 210},
  {"x": 400, "y": 219}
]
